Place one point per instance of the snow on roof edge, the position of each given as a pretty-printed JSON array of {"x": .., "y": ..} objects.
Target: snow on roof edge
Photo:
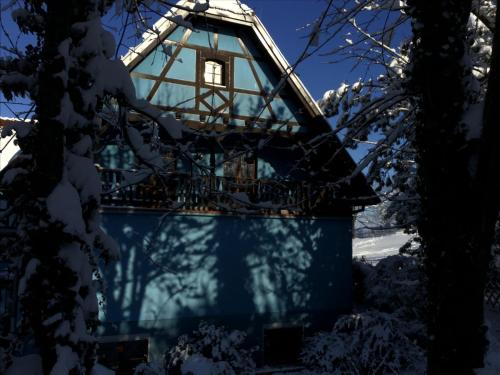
[{"x": 4, "y": 121}]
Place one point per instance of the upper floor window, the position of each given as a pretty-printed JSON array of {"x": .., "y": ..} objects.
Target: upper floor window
[{"x": 214, "y": 72}]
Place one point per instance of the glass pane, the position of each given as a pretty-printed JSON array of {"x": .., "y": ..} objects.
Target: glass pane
[
  {"x": 213, "y": 72},
  {"x": 115, "y": 157},
  {"x": 209, "y": 77}
]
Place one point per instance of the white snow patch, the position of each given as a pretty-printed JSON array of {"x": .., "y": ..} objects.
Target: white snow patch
[
  {"x": 142, "y": 149},
  {"x": 179, "y": 20},
  {"x": 54, "y": 318},
  {"x": 473, "y": 120},
  {"x": 492, "y": 359},
  {"x": 134, "y": 177},
  {"x": 11, "y": 126},
  {"x": 29, "y": 271},
  {"x": 28, "y": 364},
  {"x": 67, "y": 359},
  {"x": 99, "y": 369},
  {"x": 373, "y": 248},
  {"x": 232, "y": 6},
  {"x": 11, "y": 174},
  {"x": 108, "y": 244},
  {"x": 73, "y": 257},
  {"x": 241, "y": 197},
  {"x": 82, "y": 146},
  {"x": 199, "y": 365},
  {"x": 172, "y": 126},
  {"x": 83, "y": 175},
  {"x": 63, "y": 205}
]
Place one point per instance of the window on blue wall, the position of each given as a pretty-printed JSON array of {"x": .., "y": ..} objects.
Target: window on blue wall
[
  {"x": 240, "y": 166},
  {"x": 214, "y": 72}
]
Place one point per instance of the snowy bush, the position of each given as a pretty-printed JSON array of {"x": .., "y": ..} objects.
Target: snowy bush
[
  {"x": 370, "y": 343},
  {"x": 210, "y": 350},
  {"x": 395, "y": 285},
  {"x": 151, "y": 368},
  {"x": 389, "y": 337}
]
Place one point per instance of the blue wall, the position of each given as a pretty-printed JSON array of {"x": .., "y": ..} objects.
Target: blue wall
[{"x": 243, "y": 272}]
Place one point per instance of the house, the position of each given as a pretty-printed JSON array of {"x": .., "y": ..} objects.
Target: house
[{"x": 250, "y": 224}]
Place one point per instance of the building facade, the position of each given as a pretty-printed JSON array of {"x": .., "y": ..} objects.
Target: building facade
[{"x": 248, "y": 228}]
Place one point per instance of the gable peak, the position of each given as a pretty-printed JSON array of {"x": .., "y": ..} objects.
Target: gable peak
[{"x": 231, "y": 6}]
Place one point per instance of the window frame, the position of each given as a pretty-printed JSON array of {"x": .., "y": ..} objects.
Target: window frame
[
  {"x": 219, "y": 57},
  {"x": 242, "y": 167},
  {"x": 214, "y": 65}
]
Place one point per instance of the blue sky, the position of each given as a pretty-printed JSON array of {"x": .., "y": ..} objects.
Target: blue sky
[{"x": 284, "y": 19}]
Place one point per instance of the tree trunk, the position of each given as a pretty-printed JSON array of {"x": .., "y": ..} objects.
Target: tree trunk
[
  {"x": 458, "y": 203},
  {"x": 49, "y": 290}
]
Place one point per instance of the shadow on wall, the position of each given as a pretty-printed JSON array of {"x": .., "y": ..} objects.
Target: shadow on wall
[{"x": 177, "y": 267}]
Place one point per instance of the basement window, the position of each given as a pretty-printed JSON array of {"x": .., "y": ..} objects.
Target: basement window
[
  {"x": 214, "y": 73},
  {"x": 283, "y": 344},
  {"x": 123, "y": 356}
]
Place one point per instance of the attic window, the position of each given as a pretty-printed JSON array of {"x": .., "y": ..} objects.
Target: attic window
[{"x": 214, "y": 72}]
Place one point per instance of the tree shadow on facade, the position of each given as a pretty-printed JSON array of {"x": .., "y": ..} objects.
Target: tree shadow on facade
[{"x": 243, "y": 272}]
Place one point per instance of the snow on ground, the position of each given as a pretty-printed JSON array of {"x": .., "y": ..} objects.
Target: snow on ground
[
  {"x": 374, "y": 248},
  {"x": 492, "y": 360}
]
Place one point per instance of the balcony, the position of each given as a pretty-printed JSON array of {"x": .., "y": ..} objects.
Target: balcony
[{"x": 178, "y": 191}]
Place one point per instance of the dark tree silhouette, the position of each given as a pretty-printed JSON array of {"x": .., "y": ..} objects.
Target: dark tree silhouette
[{"x": 456, "y": 184}]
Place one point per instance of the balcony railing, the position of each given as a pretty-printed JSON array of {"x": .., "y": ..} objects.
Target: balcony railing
[{"x": 208, "y": 193}]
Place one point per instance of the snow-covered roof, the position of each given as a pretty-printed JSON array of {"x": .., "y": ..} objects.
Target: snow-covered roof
[
  {"x": 232, "y": 11},
  {"x": 4, "y": 121}
]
